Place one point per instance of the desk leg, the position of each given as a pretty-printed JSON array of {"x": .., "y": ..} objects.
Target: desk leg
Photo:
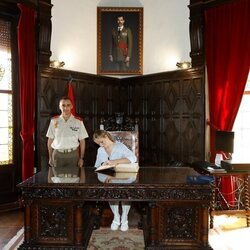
[
  {"x": 212, "y": 207},
  {"x": 247, "y": 209},
  {"x": 27, "y": 224},
  {"x": 79, "y": 225},
  {"x": 153, "y": 224}
]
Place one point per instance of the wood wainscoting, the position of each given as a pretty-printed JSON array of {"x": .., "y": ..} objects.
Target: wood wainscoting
[{"x": 169, "y": 107}]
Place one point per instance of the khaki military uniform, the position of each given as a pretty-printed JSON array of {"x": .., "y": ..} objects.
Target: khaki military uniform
[{"x": 66, "y": 137}]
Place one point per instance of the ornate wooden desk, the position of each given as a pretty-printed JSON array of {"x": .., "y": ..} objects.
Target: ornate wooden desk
[{"x": 175, "y": 214}]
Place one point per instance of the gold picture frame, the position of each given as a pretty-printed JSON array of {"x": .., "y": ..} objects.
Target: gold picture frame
[{"x": 119, "y": 52}]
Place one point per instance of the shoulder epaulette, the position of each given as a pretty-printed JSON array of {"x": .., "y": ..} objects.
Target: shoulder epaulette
[
  {"x": 78, "y": 118},
  {"x": 56, "y": 116}
]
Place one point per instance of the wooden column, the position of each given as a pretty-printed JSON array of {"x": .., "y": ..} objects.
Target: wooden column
[
  {"x": 153, "y": 219},
  {"x": 78, "y": 224},
  {"x": 246, "y": 197},
  {"x": 27, "y": 225},
  {"x": 196, "y": 32},
  {"x": 44, "y": 32}
]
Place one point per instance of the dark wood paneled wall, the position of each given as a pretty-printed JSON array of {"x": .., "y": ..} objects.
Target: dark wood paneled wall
[{"x": 170, "y": 108}]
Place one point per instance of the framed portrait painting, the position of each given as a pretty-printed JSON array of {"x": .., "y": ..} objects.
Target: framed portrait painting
[{"x": 119, "y": 41}]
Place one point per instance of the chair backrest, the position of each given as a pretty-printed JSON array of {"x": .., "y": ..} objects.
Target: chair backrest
[
  {"x": 129, "y": 138},
  {"x": 123, "y": 129}
]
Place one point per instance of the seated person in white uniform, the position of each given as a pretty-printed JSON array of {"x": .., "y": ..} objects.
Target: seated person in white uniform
[
  {"x": 112, "y": 153},
  {"x": 66, "y": 133}
]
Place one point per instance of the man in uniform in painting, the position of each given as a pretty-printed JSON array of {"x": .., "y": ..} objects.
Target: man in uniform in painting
[{"x": 121, "y": 46}]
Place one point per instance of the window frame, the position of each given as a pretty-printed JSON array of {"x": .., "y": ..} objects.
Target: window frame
[{"x": 14, "y": 169}]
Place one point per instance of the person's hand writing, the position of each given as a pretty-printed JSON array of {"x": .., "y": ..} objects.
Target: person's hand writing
[{"x": 110, "y": 162}]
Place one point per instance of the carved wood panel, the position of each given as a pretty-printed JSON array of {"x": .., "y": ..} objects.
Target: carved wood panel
[
  {"x": 171, "y": 116},
  {"x": 180, "y": 224},
  {"x": 51, "y": 222}
]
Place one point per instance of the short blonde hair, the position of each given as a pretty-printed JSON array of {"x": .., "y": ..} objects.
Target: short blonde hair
[{"x": 101, "y": 134}]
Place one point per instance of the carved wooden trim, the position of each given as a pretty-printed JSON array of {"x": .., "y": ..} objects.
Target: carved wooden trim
[{"x": 135, "y": 193}]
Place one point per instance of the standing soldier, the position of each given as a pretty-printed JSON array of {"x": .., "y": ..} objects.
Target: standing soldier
[{"x": 66, "y": 140}]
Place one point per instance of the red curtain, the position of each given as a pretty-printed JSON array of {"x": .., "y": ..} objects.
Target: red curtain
[
  {"x": 72, "y": 98},
  {"x": 227, "y": 39},
  {"x": 27, "y": 62}
]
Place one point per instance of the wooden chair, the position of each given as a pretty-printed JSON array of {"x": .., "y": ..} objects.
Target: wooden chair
[{"x": 129, "y": 138}]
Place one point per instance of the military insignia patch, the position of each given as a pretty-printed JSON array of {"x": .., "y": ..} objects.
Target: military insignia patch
[{"x": 74, "y": 128}]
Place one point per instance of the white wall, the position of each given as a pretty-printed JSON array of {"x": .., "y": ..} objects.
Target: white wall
[{"x": 165, "y": 34}]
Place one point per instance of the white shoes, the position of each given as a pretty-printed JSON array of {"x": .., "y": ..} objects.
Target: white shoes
[
  {"x": 124, "y": 226},
  {"x": 115, "y": 225},
  {"x": 119, "y": 220},
  {"x": 124, "y": 218}
]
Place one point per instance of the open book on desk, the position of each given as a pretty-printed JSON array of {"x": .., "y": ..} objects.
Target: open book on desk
[
  {"x": 122, "y": 167},
  {"x": 216, "y": 170}
]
